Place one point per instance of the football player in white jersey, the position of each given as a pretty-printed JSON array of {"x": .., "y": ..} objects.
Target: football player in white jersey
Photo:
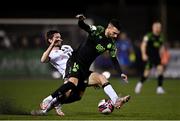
[{"x": 58, "y": 56}]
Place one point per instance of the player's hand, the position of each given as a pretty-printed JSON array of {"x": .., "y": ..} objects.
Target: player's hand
[
  {"x": 55, "y": 41},
  {"x": 124, "y": 77},
  {"x": 80, "y": 17},
  {"x": 144, "y": 57}
]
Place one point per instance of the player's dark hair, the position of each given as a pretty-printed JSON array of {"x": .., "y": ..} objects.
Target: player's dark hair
[
  {"x": 157, "y": 21},
  {"x": 49, "y": 35},
  {"x": 116, "y": 23}
]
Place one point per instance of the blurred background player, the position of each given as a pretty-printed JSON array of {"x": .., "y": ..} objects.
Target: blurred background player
[{"x": 151, "y": 49}]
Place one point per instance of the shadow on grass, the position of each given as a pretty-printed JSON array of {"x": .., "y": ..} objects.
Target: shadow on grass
[{"x": 9, "y": 106}]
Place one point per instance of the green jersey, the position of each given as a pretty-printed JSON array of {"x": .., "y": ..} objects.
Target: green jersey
[{"x": 154, "y": 44}]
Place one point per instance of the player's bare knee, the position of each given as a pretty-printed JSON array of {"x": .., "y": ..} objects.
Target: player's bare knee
[
  {"x": 160, "y": 69},
  {"x": 73, "y": 80},
  {"x": 68, "y": 93},
  {"x": 146, "y": 73},
  {"x": 102, "y": 79},
  {"x": 94, "y": 78}
]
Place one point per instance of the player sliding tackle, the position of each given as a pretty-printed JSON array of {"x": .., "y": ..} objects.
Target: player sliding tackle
[{"x": 100, "y": 39}]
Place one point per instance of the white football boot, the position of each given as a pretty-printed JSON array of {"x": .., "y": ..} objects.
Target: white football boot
[
  {"x": 44, "y": 104},
  {"x": 48, "y": 103},
  {"x": 138, "y": 87},
  {"x": 160, "y": 90}
]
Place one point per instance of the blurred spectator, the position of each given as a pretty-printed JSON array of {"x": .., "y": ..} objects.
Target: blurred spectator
[
  {"x": 125, "y": 52},
  {"x": 37, "y": 43},
  {"x": 176, "y": 44},
  {"x": 4, "y": 41},
  {"x": 24, "y": 42},
  {"x": 139, "y": 63},
  {"x": 165, "y": 55},
  {"x": 103, "y": 62}
]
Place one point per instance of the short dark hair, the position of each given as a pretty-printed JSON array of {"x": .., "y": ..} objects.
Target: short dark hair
[
  {"x": 157, "y": 21},
  {"x": 116, "y": 23},
  {"x": 49, "y": 35}
]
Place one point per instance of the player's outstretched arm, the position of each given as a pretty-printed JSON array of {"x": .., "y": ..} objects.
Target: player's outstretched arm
[
  {"x": 118, "y": 69},
  {"x": 82, "y": 24},
  {"x": 143, "y": 49},
  {"x": 45, "y": 56},
  {"x": 80, "y": 17}
]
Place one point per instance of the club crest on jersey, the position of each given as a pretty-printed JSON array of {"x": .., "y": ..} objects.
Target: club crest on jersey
[
  {"x": 100, "y": 48},
  {"x": 109, "y": 45},
  {"x": 75, "y": 67},
  {"x": 100, "y": 37}
]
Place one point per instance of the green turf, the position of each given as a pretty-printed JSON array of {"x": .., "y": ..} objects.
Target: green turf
[{"x": 19, "y": 97}]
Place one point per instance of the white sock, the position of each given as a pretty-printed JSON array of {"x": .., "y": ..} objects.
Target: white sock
[
  {"x": 50, "y": 105},
  {"x": 111, "y": 93},
  {"x": 48, "y": 98},
  {"x": 51, "y": 101}
]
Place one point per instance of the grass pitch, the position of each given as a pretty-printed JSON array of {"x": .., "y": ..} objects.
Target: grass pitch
[{"x": 19, "y": 97}]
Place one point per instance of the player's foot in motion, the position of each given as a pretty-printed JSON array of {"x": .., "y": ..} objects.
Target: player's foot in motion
[
  {"x": 160, "y": 90},
  {"x": 45, "y": 104},
  {"x": 49, "y": 103},
  {"x": 121, "y": 101},
  {"x": 138, "y": 88},
  {"x": 58, "y": 110},
  {"x": 38, "y": 112}
]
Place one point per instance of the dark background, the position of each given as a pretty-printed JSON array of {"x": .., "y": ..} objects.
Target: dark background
[
  {"x": 27, "y": 40},
  {"x": 135, "y": 15}
]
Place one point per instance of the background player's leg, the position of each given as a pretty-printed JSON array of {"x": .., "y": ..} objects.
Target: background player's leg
[
  {"x": 160, "y": 71},
  {"x": 142, "y": 80}
]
